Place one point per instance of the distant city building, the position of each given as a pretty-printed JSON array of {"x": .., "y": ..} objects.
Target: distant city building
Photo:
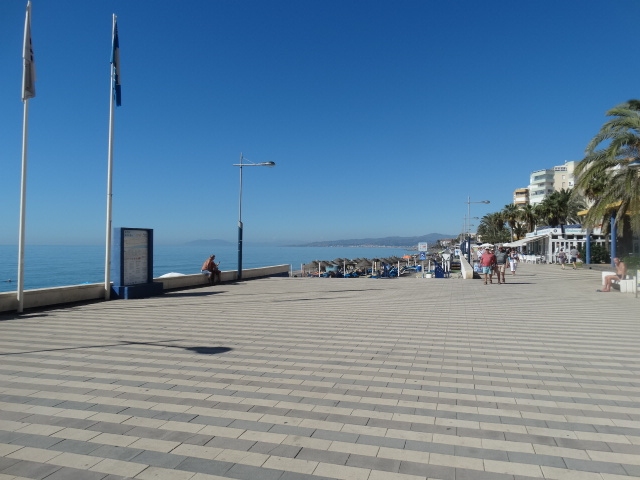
[
  {"x": 563, "y": 177},
  {"x": 521, "y": 197},
  {"x": 543, "y": 183},
  {"x": 540, "y": 185}
]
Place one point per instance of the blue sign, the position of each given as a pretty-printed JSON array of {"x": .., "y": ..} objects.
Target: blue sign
[{"x": 423, "y": 256}]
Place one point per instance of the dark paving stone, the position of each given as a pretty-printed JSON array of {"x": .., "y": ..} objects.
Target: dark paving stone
[
  {"x": 75, "y": 446},
  {"x": 381, "y": 441},
  {"x": 36, "y": 471},
  {"x": 481, "y": 453},
  {"x": 374, "y": 463},
  {"x": 199, "y": 465},
  {"x": 324, "y": 456},
  {"x": 158, "y": 459},
  {"x": 429, "y": 471},
  {"x": 116, "y": 453},
  {"x": 66, "y": 473},
  {"x": 197, "y": 439},
  {"x": 339, "y": 436},
  {"x": 107, "y": 427},
  {"x": 466, "y": 474},
  {"x": 597, "y": 467},
  {"x": 231, "y": 443},
  {"x": 37, "y": 441},
  {"x": 247, "y": 472}
]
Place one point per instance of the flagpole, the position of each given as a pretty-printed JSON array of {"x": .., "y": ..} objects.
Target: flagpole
[
  {"x": 23, "y": 201},
  {"x": 28, "y": 91},
  {"x": 107, "y": 261}
]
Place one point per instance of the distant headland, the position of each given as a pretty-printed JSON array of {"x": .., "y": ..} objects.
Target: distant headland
[{"x": 407, "y": 242}]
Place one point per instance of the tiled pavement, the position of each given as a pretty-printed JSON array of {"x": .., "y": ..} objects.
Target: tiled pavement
[{"x": 309, "y": 379}]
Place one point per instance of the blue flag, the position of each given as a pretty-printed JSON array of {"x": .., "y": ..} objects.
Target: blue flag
[{"x": 115, "y": 62}]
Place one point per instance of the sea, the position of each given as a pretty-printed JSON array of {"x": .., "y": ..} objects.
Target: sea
[{"x": 61, "y": 265}]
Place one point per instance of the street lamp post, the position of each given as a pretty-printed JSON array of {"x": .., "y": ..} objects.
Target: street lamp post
[
  {"x": 243, "y": 164},
  {"x": 469, "y": 202}
]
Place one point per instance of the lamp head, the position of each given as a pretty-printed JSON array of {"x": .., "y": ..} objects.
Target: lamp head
[{"x": 268, "y": 164}]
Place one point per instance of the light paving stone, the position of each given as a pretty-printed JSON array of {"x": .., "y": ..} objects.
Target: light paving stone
[
  {"x": 290, "y": 464},
  {"x": 156, "y": 473},
  {"x": 118, "y": 467},
  {"x": 342, "y": 472},
  {"x": 74, "y": 460},
  {"x": 33, "y": 454}
]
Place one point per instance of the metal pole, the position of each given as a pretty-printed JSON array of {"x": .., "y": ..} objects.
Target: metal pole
[
  {"x": 240, "y": 225},
  {"x": 23, "y": 207},
  {"x": 614, "y": 238},
  {"x": 469, "y": 230},
  {"x": 107, "y": 256}
]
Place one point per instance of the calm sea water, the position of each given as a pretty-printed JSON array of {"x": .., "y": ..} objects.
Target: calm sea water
[{"x": 60, "y": 265}]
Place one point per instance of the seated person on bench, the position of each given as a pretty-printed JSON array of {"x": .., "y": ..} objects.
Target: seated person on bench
[
  {"x": 210, "y": 267},
  {"x": 621, "y": 272}
]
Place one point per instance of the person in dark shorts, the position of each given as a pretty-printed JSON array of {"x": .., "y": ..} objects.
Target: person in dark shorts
[
  {"x": 210, "y": 267},
  {"x": 502, "y": 259},
  {"x": 574, "y": 254},
  {"x": 621, "y": 272}
]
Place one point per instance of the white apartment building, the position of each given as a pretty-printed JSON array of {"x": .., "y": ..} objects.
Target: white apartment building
[
  {"x": 544, "y": 182},
  {"x": 540, "y": 185}
]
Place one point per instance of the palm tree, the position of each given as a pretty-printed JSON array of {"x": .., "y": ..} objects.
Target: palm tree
[
  {"x": 492, "y": 228},
  {"x": 605, "y": 168},
  {"x": 561, "y": 208},
  {"x": 510, "y": 213},
  {"x": 529, "y": 217}
]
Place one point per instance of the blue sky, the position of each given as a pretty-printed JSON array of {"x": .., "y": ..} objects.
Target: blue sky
[{"x": 382, "y": 116}]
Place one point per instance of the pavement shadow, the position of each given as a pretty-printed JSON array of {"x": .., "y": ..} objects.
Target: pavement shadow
[
  {"x": 208, "y": 350},
  {"x": 190, "y": 294},
  {"x": 199, "y": 349},
  {"x": 21, "y": 316},
  {"x": 196, "y": 349}
]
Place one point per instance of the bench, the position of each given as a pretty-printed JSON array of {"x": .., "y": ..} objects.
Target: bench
[{"x": 627, "y": 285}]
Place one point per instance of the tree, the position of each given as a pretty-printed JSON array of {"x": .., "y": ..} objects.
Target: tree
[
  {"x": 510, "y": 213},
  {"x": 604, "y": 173},
  {"x": 560, "y": 208},
  {"x": 492, "y": 228},
  {"x": 529, "y": 217}
]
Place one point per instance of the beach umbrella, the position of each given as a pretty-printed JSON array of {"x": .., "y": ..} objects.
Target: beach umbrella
[
  {"x": 308, "y": 267},
  {"x": 364, "y": 263}
]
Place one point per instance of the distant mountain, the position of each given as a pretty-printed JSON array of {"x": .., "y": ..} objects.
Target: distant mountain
[
  {"x": 380, "y": 242},
  {"x": 215, "y": 242}
]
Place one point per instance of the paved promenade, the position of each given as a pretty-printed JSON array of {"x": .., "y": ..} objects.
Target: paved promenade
[{"x": 310, "y": 379}]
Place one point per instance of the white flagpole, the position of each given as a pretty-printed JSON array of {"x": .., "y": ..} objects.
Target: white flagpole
[
  {"x": 23, "y": 201},
  {"x": 28, "y": 91},
  {"x": 107, "y": 261}
]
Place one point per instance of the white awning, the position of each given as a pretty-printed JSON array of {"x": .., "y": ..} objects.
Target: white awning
[{"x": 524, "y": 241}]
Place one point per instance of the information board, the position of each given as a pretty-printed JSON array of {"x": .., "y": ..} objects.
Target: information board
[
  {"x": 422, "y": 247},
  {"x": 136, "y": 256}
]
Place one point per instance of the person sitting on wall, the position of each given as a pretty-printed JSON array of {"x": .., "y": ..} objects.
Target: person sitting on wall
[
  {"x": 621, "y": 272},
  {"x": 210, "y": 267}
]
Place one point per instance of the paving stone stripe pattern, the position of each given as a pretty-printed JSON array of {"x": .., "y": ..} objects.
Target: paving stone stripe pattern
[{"x": 310, "y": 379}]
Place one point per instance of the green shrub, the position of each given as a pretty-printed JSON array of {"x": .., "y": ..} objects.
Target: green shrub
[
  {"x": 599, "y": 253},
  {"x": 632, "y": 262}
]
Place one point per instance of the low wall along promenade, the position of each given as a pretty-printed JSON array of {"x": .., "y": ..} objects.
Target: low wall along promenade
[{"x": 44, "y": 297}]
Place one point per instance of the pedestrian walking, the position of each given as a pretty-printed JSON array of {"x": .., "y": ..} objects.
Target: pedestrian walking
[
  {"x": 562, "y": 257},
  {"x": 487, "y": 262},
  {"x": 501, "y": 264},
  {"x": 513, "y": 261},
  {"x": 574, "y": 253}
]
